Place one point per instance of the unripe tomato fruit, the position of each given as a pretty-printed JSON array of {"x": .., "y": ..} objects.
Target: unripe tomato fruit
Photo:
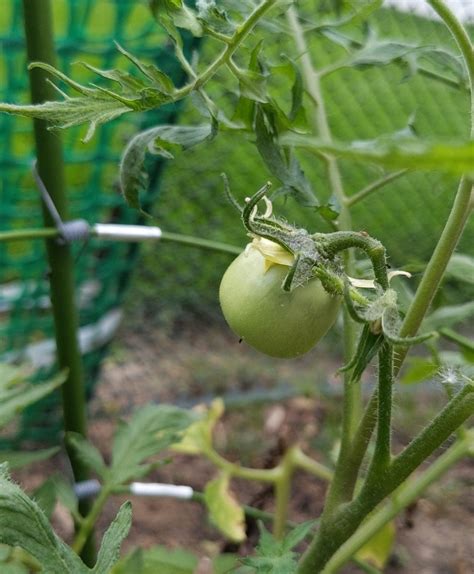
[{"x": 278, "y": 323}]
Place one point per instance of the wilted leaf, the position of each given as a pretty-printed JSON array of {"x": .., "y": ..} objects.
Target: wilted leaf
[
  {"x": 161, "y": 140},
  {"x": 225, "y": 512},
  {"x": 197, "y": 438}
]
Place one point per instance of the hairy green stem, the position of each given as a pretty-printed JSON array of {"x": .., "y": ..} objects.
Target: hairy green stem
[
  {"x": 343, "y": 523},
  {"x": 233, "y": 43},
  {"x": 382, "y": 453},
  {"x": 271, "y": 475},
  {"x": 305, "y": 462},
  {"x": 374, "y": 186},
  {"x": 403, "y": 497},
  {"x": 461, "y": 36},
  {"x": 87, "y": 525},
  {"x": 338, "y": 241},
  {"x": 352, "y": 401}
]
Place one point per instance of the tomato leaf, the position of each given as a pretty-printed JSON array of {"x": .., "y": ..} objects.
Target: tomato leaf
[
  {"x": 276, "y": 556},
  {"x": 87, "y": 452},
  {"x": 16, "y": 394},
  {"x": 286, "y": 169},
  {"x": 23, "y": 524},
  {"x": 224, "y": 510},
  {"x": 162, "y": 141},
  {"x": 197, "y": 438},
  {"x": 96, "y": 105},
  {"x": 448, "y": 316},
  {"x": 112, "y": 540},
  {"x": 18, "y": 459},
  {"x": 461, "y": 267},
  {"x": 418, "y": 369},
  {"x": 455, "y": 157},
  {"x": 151, "y": 429}
]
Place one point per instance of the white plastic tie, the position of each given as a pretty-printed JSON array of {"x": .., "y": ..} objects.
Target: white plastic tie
[
  {"x": 126, "y": 232},
  {"x": 158, "y": 489}
]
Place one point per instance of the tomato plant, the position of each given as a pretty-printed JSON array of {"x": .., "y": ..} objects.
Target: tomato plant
[{"x": 282, "y": 299}]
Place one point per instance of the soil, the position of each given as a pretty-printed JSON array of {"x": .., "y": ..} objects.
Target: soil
[{"x": 189, "y": 365}]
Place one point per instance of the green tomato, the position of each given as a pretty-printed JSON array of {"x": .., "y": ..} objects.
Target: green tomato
[{"x": 276, "y": 322}]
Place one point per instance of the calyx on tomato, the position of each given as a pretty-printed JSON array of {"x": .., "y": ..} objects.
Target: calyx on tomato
[{"x": 276, "y": 322}]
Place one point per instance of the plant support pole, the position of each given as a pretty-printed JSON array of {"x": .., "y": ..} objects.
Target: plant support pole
[{"x": 40, "y": 47}]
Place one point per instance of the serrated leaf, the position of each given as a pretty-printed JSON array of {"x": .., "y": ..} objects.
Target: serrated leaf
[
  {"x": 151, "y": 429},
  {"x": 224, "y": 510},
  {"x": 377, "y": 550},
  {"x": 87, "y": 452},
  {"x": 276, "y": 556},
  {"x": 18, "y": 459},
  {"x": 23, "y": 524},
  {"x": 96, "y": 105},
  {"x": 16, "y": 394},
  {"x": 455, "y": 157},
  {"x": 150, "y": 71},
  {"x": 157, "y": 141},
  {"x": 197, "y": 438},
  {"x": 109, "y": 551},
  {"x": 297, "y": 535}
]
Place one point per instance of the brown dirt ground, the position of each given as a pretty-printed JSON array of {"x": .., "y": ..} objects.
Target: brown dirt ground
[{"x": 435, "y": 536}]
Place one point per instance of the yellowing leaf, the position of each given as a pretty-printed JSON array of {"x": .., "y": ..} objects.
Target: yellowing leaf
[
  {"x": 377, "y": 550},
  {"x": 225, "y": 512},
  {"x": 198, "y": 437}
]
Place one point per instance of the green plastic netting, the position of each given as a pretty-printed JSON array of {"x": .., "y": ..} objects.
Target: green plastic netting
[{"x": 85, "y": 31}]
